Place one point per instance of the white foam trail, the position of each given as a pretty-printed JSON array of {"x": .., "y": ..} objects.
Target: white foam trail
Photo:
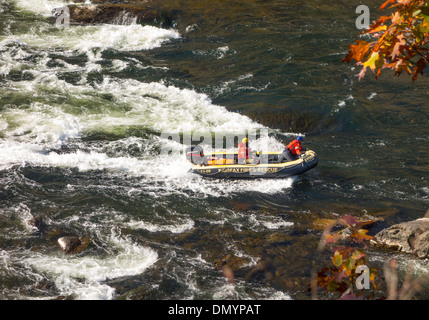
[
  {"x": 91, "y": 40},
  {"x": 169, "y": 178},
  {"x": 177, "y": 227},
  {"x": 168, "y": 108},
  {"x": 40, "y": 125},
  {"x": 153, "y": 105},
  {"x": 132, "y": 37}
]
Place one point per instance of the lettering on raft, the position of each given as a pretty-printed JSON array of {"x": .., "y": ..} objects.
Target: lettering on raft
[{"x": 240, "y": 170}]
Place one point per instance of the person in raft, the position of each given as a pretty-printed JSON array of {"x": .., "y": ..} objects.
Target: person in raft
[
  {"x": 243, "y": 151},
  {"x": 293, "y": 150}
]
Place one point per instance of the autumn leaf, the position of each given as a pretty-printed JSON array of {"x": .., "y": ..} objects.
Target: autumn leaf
[
  {"x": 337, "y": 259},
  {"x": 349, "y": 220},
  {"x": 371, "y": 62},
  {"x": 361, "y": 236},
  {"x": 398, "y": 47},
  {"x": 350, "y": 266},
  {"x": 357, "y": 51},
  {"x": 386, "y": 3},
  {"x": 357, "y": 254},
  {"x": 396, "y": 17},
  {"x": 403, "y": 2},
  {"x": 332, "y": 238},
  {"x": 378, "y": 29}
]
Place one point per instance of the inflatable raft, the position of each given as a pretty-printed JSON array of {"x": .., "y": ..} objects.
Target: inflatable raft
[{"x": 260, "y": 164}]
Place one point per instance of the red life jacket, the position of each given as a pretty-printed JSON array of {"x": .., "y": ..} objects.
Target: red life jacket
[
  {"x": 295, "y": 147},
  {"x": 243, "y": 151}
]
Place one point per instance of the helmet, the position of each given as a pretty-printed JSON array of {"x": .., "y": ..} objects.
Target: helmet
[
  {"x": 300, "y": 138},
  {"x": 244, "y": 140}
]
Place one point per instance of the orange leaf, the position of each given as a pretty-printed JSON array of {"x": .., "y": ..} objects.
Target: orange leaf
[
  {"x": 332, "y": 238},
  {"x": 378, "y": 29},
  {"x": 386, "y": 3},
  {"x": 360, "y": 235},
  {"x": 357, "y": 51}
]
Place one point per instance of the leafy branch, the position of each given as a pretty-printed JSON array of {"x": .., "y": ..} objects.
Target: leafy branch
[
  {"x": 347, "y": 246},
  {"x": 400, "y": 40},
  {"x": 347, "y": 240}
]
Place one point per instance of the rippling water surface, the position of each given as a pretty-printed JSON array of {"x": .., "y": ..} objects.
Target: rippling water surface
[{"x": 82, "y": 110}]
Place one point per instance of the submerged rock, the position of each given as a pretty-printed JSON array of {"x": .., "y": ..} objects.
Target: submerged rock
[
  {"x": 39, "y": 223},
  {"x": 409, "y": 237},
  {"x": 233, "y": 262}
]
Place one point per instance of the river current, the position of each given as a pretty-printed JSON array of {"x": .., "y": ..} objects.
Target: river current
[{"x": 83, "y": 112}]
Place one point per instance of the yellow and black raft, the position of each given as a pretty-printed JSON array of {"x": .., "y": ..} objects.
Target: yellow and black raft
[{"x": 260, "y": 164}]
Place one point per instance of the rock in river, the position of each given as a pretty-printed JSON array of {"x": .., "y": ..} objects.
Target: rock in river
[
  {"x": 72, "y": 244},
  {"x": 410, "y": 237},
  {"x": 119, "y": 13}
]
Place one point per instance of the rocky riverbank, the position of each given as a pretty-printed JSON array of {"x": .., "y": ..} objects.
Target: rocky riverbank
[{"x": 409, "y": 237}]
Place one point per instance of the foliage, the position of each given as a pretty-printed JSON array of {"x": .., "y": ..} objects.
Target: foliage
[
  {"x": 347, "y": 246},
  {"x": 400, "y": 40}
]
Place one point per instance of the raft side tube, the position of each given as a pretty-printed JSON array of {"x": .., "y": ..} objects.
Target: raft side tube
[{"x": 264, "y": 170}]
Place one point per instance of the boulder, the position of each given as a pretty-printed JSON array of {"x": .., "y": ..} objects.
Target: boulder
[
  {"x": 73, "y": 244},
  {"x": 410, "y": 237}
]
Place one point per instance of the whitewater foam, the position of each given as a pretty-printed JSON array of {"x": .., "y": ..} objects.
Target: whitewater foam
[
  {"x": 177, "y": 227},
  {"x": 82, "y": 277},
  {"x": 42, "y": 7},
  {"x": 32, "y": 133},
  {"x": 98, "y": 38}
]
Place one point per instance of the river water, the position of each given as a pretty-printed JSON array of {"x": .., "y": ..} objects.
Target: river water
[{"x": 82, "y": 115}]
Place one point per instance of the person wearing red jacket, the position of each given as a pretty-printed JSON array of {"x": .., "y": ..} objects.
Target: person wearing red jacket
[
  {"x": 243, "y": 151},
  {"x": 293, "y": 150}
]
